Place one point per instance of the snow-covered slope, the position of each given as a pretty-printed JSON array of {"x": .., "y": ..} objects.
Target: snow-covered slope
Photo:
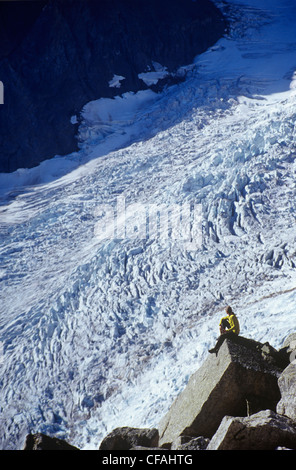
[{"x": 102, "y": 333}]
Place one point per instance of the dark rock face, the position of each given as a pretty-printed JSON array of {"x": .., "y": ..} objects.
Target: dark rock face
[
  {"x": 189, "y": 443},
  {"x": 40, "y": 441},
  {"x": 56, "y": 55},
  {"x": 127, "y": 438}
]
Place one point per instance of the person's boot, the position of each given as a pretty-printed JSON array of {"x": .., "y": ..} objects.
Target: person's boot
[{"x": 213, "y": 350}]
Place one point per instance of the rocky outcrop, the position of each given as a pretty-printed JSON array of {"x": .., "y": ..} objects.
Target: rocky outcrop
[
  {"x": 41, "y": 441},
  {"x": 287, "y": 386},
  {"x": 189, "y": 443},
  {"x": 243, "y": 398},
  {"x": 288, "y": 349},
  {"x": 56, "y": 55},
  {"x": 127, "y": 438},
  {"x": 241, "y": 379},
  {"x": 287, "y": 380},
  {"x": 265, "y": 430}
]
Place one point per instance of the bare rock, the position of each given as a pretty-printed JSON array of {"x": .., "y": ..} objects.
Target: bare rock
[
  {"x": 287, "y": 379},
  {"x": 265, "y": 430},
  {"x": 41, "y": 441},
  {"x": 288, "y": 348},
  {"x": 240, "y": 380},
  {"x": 289, "y": 342},
  {"x": 126, "y": 438},
  {"x": 147, "y": 448},
  {"x": 287, "y": 386},
  {"x": 190, "y": 443}
]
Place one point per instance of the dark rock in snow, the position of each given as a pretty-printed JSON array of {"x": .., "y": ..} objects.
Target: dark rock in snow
[{"x": 57, "y": 55}]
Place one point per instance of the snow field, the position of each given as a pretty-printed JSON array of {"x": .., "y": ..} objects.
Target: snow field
[{"x": 102, "y": 333}]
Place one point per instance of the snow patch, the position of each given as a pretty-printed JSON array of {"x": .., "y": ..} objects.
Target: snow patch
[
  {"x": 115, "y": 82},
  {"x": 152, "y": 77}
]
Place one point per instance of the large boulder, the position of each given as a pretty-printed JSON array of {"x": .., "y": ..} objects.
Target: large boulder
[
  {"x": 127, "y": 438},
  {"x": 287, "y": 380},
  {"x": 190, "y": 443},
  {"x": 40, "y": 441},
  {"x": 287, "y": 386},
  {"x": 265, "y": 430},
  {"x": 240, "y": 380},
  {"x": 288, "y": 349}
]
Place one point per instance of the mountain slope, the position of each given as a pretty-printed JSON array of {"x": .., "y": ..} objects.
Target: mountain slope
[
  {"x": 57, "y": 55},
  {"x": 102, "y": 333}
]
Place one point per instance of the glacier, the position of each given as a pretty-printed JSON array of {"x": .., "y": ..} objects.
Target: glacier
[{"x": 99, "y": 333}]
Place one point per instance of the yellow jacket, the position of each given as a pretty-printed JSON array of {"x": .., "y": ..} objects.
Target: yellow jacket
[{"x": 233, "y": 322}]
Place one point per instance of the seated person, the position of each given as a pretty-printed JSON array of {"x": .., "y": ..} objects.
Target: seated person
[{"x": 229, "y": 328}]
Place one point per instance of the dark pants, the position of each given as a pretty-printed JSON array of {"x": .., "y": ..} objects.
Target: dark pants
[{"x": 221, "y": 339}]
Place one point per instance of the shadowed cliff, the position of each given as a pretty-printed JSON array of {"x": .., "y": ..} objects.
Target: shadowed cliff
[{"x": 56, "y": 55}]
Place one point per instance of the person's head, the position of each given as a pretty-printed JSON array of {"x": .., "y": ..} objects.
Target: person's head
[{"x": 228, "y": 310}]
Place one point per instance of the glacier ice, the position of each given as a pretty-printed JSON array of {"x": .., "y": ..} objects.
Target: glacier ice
[{"x": 99, "y": 333}]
